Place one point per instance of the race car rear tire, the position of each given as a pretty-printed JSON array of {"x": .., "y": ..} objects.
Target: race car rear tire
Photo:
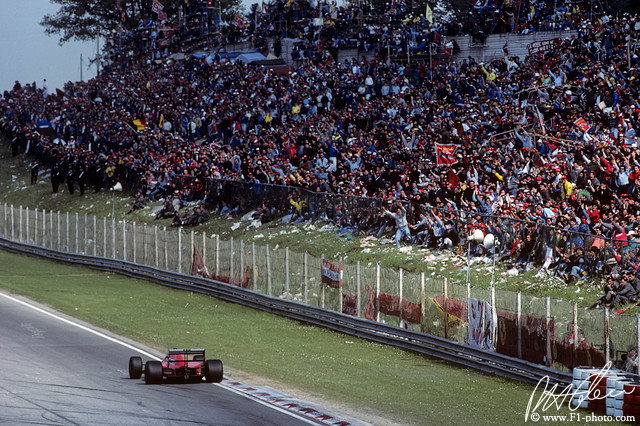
[
  {"x": 153, "y": 373},
  {"x": 213, "y": 371},
  {"x": 135, "y": 367}
]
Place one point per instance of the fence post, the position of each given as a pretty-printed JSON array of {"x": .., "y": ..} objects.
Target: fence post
[
  {"x": 124, "y": 240},
  {"x": 13, "y": 224},
  {"x": 166, "y": 250},
  {"x": 135, "y": 241},
  {"x": 340, "y": 286},
  {"x": 607, "y": 358},
  {"x": 358, "y": 298},
  {"x": 35, "y": 226},
  {"x": 204, "y": 250},
  {"x": 86, "y": 237},
  {"x": 179, "y": 251},
  {"x": 378, "y": 291},
  {"x": 44, "y": 228},
  {"x": 446, "y": 313},
  {"x": 217, "y": 255},
  {"x": 268, "y": 271},
  {"x": 638, "y": 333},
  {"x": 145, "y": 257},
  {"x": 242, "y": 274},
  {"x": 156, "y": 249},
  {"x": 422, "y": 297},
  {"x": 549, "y": 353},
  {"x": 287, "y": 281},
  {"x": 575, "y": 333},
  {"x": 321, "y": 285},
  {"x": 401, "y": 281},
  {"x": 231, "y": 261},
  {"x": 77, "y": 232},
  {"x": 66, "y": 232},
  {"x": 20, "y": 224},
  {"x": 59, "y": 233},
  {"x": 95, "y": 235},
  {"x": 468, "y": 318},
  {"x": 104, "y": 237},
  {"x": 51, "y": 244},
  {"x": 113, "y": 237},
  {"x": 192, "y": 251},
  {"x": 254, "y": 272},
  {"x": 306, "y": 276},
  {"x": 519, "y": 322}
]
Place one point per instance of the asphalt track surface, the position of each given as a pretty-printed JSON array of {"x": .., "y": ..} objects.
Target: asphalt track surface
[{"x": 55, "y": 370}]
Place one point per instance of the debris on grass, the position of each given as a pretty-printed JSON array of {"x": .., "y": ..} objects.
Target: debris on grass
[{"x": 368, "y": 241}]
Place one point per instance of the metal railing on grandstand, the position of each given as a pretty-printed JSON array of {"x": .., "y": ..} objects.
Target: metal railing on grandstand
[{"x": 539, "y": 330}]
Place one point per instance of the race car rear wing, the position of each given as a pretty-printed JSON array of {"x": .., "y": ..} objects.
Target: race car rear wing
[{"x": 176, "y": 351}]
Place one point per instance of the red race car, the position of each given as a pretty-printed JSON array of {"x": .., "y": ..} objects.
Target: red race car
[{"x": 185, "y": 364}]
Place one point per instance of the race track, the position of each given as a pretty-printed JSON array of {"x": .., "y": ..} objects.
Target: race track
[{"x": 56, "y": 371}]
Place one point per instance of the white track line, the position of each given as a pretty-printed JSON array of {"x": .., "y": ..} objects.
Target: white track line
[{"x": 140, "y": 351}]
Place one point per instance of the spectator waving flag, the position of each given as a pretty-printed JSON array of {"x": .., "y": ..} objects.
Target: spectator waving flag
[
  {"x": 453, "y": 179},
  {"x": 238, "y": 21},
  {"x": 445, "y": 154},
  {"x": 122, "y": 17},
  {"x": 582, "y": 124},
  {"x": 157, "y": 7},
  {"x": 540, "y": 118},
  {"x": 428, "y": 14}
]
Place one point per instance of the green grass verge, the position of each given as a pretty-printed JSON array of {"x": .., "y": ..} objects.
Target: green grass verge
[{"x": 357, "y": 376}]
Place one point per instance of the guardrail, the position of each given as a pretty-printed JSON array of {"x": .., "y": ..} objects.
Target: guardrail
[{"x": 489, "y": 362}]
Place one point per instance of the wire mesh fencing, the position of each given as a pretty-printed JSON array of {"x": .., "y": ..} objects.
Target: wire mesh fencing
[{"x": 541, "y": 330}]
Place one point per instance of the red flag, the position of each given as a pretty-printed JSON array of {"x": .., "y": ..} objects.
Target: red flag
[
  {"x": 162, "y": 16},
  {"x": 157, "y": 7},
  {"x": 445, "y": 154},
  {"x": 209, "y": 4},
  {"x": 454, "y": 180},
  {"x": 505, "y": 49},
  {"x": 238, "y": 20},
  {"x": 121, "y": 11},
  {"x": 582, "y": 124},
  {"x": 537, "y": 160}
]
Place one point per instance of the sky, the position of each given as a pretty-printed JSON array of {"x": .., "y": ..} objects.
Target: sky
[{"x": 28, "y": 55}]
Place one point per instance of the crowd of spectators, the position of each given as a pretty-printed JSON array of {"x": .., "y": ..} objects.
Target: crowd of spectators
[{"x": 545, "y": 147}]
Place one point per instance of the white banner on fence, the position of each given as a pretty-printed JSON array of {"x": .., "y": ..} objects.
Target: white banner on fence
[
  {"x": 482, "y": 325},
  {"x": 475, "y": 335}
]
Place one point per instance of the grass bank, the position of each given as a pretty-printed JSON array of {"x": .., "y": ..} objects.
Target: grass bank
[{"x": 380, "y": 384}]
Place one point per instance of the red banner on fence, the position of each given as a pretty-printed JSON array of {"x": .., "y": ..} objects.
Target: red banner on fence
[
  {"x": 350, "y": 304},
  {"x": 371, "y": 310}
]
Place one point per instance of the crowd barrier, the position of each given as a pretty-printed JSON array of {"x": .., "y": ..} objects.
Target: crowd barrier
[{"x": 539, "y": 330}]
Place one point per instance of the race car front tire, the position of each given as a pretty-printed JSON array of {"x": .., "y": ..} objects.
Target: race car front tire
[
  {"x": 135, "y": 367},
  {"x": 213, "y": 371},
  {"x": 153, "y": 373}
]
